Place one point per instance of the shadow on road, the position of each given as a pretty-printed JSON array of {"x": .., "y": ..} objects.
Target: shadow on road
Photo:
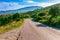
[
  {"x": 44, "y": 25},
  {"x": 34, "y": 20},
  {"x": 41, "y": 25}
]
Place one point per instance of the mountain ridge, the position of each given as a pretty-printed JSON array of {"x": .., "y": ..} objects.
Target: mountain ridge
[{"x": 25, "y": 9}]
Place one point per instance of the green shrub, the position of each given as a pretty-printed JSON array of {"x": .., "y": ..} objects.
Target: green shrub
[
  {"x": 43, "y": 21},
  {"x": 5, "y": 19},
  {"x": 16, "y": 16}
]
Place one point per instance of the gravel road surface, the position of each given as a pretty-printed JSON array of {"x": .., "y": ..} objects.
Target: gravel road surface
[{"x": 36, "y": 31}]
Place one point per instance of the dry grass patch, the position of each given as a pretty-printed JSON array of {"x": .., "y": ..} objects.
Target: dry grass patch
[{"x": 10, "y": 26}]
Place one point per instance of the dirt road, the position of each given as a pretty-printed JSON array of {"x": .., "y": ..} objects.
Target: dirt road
[{"x": 36, "y": 31}]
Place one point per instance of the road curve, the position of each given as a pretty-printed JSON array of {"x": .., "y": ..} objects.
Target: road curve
[{"x": 36, "y": 31}]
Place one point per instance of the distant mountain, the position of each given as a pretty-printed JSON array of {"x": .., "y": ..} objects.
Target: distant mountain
[
  {"x": 31, "y": 8},
  {"x": 25, "y": 9}
]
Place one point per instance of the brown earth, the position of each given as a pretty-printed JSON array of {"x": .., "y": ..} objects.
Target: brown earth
[
  {"x": 31, "y": 30},
  {"x": 37, "y": 31}
]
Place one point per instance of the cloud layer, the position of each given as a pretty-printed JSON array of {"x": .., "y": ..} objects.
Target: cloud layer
[
  {"x": 43, "y": 4},
  {"x": 24, "y": 3},
  {"x": 10, "y": 6}
]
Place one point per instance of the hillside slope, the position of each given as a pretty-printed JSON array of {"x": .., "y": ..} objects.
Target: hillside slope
[{"x": 47, "y": 8}]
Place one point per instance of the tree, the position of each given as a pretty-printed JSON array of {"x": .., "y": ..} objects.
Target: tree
[
  {"x": 54, "y": 11},
  {"x": 16, "y": 16},
  {"x": 41, "y": 14}
]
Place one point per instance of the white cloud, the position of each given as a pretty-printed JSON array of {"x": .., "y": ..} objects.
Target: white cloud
[
  {"x": 30, "y": 1},
  {"x": 9, "y": 6},
  {"x": 56, "y": 1},
  {"x": 15, "y": 5},
  {"x": 43, "y": 4}
]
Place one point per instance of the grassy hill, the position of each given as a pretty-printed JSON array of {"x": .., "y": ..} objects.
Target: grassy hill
[{"x": 49, "y": 15}]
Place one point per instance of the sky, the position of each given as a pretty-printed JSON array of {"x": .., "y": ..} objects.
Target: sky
[{"x": 17, "y": 4}]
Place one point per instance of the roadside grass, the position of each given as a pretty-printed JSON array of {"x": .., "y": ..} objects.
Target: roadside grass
[{"x": 11, "y": 26}]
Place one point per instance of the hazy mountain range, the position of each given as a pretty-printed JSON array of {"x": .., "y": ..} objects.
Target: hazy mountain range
[{"x": 25, "y": 9}]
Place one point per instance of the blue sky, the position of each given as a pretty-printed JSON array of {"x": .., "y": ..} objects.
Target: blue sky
[{"x": 16, "y": 4}]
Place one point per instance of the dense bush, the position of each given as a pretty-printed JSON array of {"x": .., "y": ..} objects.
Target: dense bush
[
  {"x": 51, "y": 18},
  {"x": 43, "y": 21},
  {"x": 5, "y": 19},
  {"x": 16, "y": 17}
]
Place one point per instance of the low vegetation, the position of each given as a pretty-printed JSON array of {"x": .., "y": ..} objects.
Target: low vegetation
[
  {"x": 10, "y": 26},
  {"x": 49, "y": 16},
  {"x": 10, "y": 21}
]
